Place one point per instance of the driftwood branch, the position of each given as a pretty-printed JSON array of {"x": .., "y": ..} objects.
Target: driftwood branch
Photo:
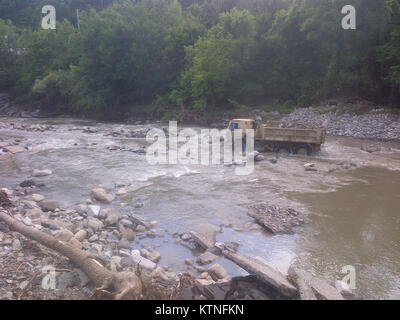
[{"x": 110, "y": 285}]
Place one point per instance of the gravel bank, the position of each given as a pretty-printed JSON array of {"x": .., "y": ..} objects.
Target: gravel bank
[{"x": 376, "y": 124}]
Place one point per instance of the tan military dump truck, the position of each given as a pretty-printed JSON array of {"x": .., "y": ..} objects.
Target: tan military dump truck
[{"x": 282, "y": 140}]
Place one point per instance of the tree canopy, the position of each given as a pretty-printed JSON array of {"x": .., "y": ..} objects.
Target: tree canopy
[{"x": 200, "y": 55}]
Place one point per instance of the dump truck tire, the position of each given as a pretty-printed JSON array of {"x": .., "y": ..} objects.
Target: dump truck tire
[{"x": 303, "y": 150}]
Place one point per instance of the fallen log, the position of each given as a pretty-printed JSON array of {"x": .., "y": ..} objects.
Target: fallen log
[
  {"x": 322, "y": 289},
  {"x": 109, "y": 285},
  {"x": 305, "y": 291},
  {"x": 272, "y": 278}
]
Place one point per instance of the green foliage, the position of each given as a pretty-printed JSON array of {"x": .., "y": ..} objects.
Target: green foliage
[
  {"x": 160, "y": 57},
  {"x": 9, "y": 55},
  {"x": 218, "y": 64}
]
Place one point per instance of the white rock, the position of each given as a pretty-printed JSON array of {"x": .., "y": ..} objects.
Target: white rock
[
  {"x": 41, "y": 173},
  {"x": 93, "y": 210},
  {"x": 121, "y": 192}
]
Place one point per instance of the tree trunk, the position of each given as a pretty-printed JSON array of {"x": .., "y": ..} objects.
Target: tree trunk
[{"x": 110, "y": 285}]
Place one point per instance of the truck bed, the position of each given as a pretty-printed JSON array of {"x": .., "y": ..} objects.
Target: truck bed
[{"x": 311, "y": 136}]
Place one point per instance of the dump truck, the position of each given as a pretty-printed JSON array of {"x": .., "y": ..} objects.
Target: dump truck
[{"x": 281, "y": 140}]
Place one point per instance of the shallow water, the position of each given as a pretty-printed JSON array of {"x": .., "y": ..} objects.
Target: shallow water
[{"x": 353, "y": 215}]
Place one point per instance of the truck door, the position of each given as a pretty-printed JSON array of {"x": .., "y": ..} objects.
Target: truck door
[{"x": 234, "y": 126}]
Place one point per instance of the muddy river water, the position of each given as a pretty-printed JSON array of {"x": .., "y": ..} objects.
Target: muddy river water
[{"x": 352, "y": 215}]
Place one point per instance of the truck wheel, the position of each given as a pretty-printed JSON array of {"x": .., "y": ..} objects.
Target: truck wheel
[
  {"x": 283, "y": 150},
  {"x": 303, "y": 150},
  {"x": 259, "y": 146}
]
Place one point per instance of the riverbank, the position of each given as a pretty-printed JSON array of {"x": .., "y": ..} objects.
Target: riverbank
[{"x": 359, "y": 120}]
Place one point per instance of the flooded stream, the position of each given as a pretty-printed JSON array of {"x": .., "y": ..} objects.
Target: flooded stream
[{"x": 353, "y": 214}]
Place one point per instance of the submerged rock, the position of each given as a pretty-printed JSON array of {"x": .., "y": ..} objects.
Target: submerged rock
[
  {"x": 41, "y": 173},
  {"x": 14, "y": 149}
]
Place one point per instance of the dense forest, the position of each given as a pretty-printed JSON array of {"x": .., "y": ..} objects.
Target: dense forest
[{"x": 165, "y": 56}]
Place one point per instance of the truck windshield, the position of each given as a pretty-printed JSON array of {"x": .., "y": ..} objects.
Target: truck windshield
[{"x": 234, "y": 126}]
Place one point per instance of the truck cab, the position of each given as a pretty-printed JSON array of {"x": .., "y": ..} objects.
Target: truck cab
[{"x": 242, "y": 124}]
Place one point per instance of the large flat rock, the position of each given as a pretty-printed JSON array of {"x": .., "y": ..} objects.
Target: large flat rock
[
  {"x": 275, "y": 219},
  {"x": 321, "y": 288},
  {"x": 271, "y": 277},
  {"x": 205, "y": 239},
  {"x": 14, "y": 149}
]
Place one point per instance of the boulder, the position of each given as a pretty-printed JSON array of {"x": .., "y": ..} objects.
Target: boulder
[
  {"x": 205, "y": 239},
  {"x": 217, "y": 272},
  {"x": 140, "y": 228},
  {"x": 111, "y": 219},
  {"x": 206, "y": 258},
  {"x": 101, "y": 195},
  {"x": 93, "y": 238},
  {"x": 128, "y": 234},
  {"x": 124, "y": 244},
  {"x": 80, "y": 235},
  {"x": 49, "y": 205},
  {"x": 94, "y": 224},
  {"x": 189, "y": 261},
  {"x": 37, "y": 197},
  {"x": 34, "y": 213},
  {"x": 135, "y": 260},
  {"x": 82, "y": 209},
  {"x": 271, "y": 277}
]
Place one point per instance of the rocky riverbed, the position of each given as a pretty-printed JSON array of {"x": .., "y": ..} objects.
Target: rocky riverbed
[
  {"x": 107, "y": 235},
  {"x": 79, "y": 172}
]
